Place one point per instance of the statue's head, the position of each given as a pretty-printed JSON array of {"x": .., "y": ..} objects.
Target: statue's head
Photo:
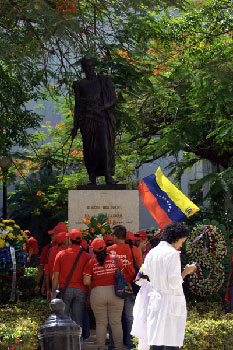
[{"x": 88, "y": 65}]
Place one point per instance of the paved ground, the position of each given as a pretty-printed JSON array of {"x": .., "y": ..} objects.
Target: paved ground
[{"x": 90, "y": 344}]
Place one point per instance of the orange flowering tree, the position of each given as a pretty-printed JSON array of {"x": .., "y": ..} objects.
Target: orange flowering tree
[
  {"x": 98, "y": 226},
  {"x": 176, "y": 97},
  {"x": 172, "y": 77},
  {"x": 43, "y": 202}
]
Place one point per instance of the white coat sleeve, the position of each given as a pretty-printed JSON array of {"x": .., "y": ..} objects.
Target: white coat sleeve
[
  {"x": 175, "y": 279},
  {"x": 146, "y": 265}
]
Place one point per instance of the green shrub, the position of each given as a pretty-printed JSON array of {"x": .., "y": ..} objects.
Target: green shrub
[
  {"x": 26, "y": 288},
  {"x": 208, "y": 328},
  {"x": 19, "y": 324}
]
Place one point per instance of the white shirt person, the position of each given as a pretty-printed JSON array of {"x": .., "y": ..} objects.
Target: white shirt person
[{"x": 160, "y": 308}]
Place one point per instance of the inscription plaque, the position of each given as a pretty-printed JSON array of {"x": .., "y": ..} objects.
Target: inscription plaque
[{"x": 120, "y": 206}]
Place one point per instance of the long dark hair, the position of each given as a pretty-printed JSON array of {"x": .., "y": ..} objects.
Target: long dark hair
[{"x": 101, "y": 256}]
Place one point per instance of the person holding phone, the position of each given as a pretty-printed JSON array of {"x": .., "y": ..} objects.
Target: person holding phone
[{"x": 164, "y": 305}]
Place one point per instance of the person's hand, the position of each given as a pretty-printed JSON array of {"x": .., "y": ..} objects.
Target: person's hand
[
  {"x": 189, "y": 269},
  {"x": 49, "y": 295},
  {"x": 37, "y": 289},
  {"x": 43, "y": 290}
]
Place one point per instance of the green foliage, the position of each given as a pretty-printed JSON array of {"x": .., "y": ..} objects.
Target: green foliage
[
  {"x": 207, "y": 327},
  {"x": 16, "y": 90},
  {"x": 42, "y": 203},
  {"x": 178, "y": 97},
  {"x": 172, "y": 71},
  {"x": 19, "y": 324}
]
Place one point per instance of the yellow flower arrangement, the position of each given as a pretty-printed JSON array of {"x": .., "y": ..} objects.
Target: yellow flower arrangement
[
  {"x": 10, "y": 235},
  {"x": 2, "y": 243}
]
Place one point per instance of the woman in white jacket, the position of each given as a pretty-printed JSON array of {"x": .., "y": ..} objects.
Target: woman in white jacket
[{"x": 165, "y": 310}]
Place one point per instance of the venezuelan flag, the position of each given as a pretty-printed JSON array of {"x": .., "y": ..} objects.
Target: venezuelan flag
[{"x": 164, "y": 201}]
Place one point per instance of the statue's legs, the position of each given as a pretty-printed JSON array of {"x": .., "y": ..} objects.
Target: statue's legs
[
  {"x": 92, "y": 179},
  {"x": 109, "y": 180}
]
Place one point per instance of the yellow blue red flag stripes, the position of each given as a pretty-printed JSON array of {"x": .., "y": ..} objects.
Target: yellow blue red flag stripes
[{"x": 164, "y": 201}]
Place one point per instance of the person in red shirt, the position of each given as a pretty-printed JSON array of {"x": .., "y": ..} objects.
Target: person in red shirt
[
  {"x": 76, "y": 292},
  {"x": 126, "y": 253},
  {"x": 141, "y": 242},
  {"x": 99, "y": 273},
  {"x": 62, "y": 243},
  {"x": 32, "y": 250},
  {"x": 108, "y": 240},
  {"x": 40, "y": 282}
]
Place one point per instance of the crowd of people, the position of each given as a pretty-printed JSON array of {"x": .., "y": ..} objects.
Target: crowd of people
[
  {"x": 85, "y": 273},
  {"x": 92, "y": 281}
]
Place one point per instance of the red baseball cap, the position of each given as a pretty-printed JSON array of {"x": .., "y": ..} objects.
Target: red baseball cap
[
  {"x": 84, "y": 244},
  {"x": 60, "y": 227},
  {"x": 51, "y": 232},
  {"x": 61, "y": 237},
  {"x": 108, "y": 239},
  {"x": 75, "y": 235},
  {"x": 27, "y": 232},
  {"x": 98, "y": 244},
  {"x": 140, "y": 235},
  {"x": 130, "y": 236}
]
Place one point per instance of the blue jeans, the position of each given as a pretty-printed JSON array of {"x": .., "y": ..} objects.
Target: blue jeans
[
  {"x": 86, "y": 328},
  {"x": 127, "y": 321},
  {"x": 75, "y": 301}
]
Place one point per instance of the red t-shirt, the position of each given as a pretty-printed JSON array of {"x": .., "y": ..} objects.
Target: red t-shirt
[
  {"x": 124, "y": 252},
  {"x": 102, "y": 275},
  {"x": 51, "y": 258},
  {"x": 32, "y": 243},
  {"x": 63, "y": 264},
  {"x": 44, "y": 253}
]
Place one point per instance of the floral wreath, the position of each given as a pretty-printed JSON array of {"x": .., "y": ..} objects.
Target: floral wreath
[
  {"x": 156, "y": 233},
  {"x": 11, "y": 236},
  {"x": 205, "y": 286},
  {"x": 206, "y": 245}
]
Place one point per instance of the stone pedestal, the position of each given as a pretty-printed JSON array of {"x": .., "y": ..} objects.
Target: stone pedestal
[{"x": 121, "y": 206}]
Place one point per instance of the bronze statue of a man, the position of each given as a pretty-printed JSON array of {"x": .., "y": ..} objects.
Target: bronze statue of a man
[{"x": 95, "y": 100}]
